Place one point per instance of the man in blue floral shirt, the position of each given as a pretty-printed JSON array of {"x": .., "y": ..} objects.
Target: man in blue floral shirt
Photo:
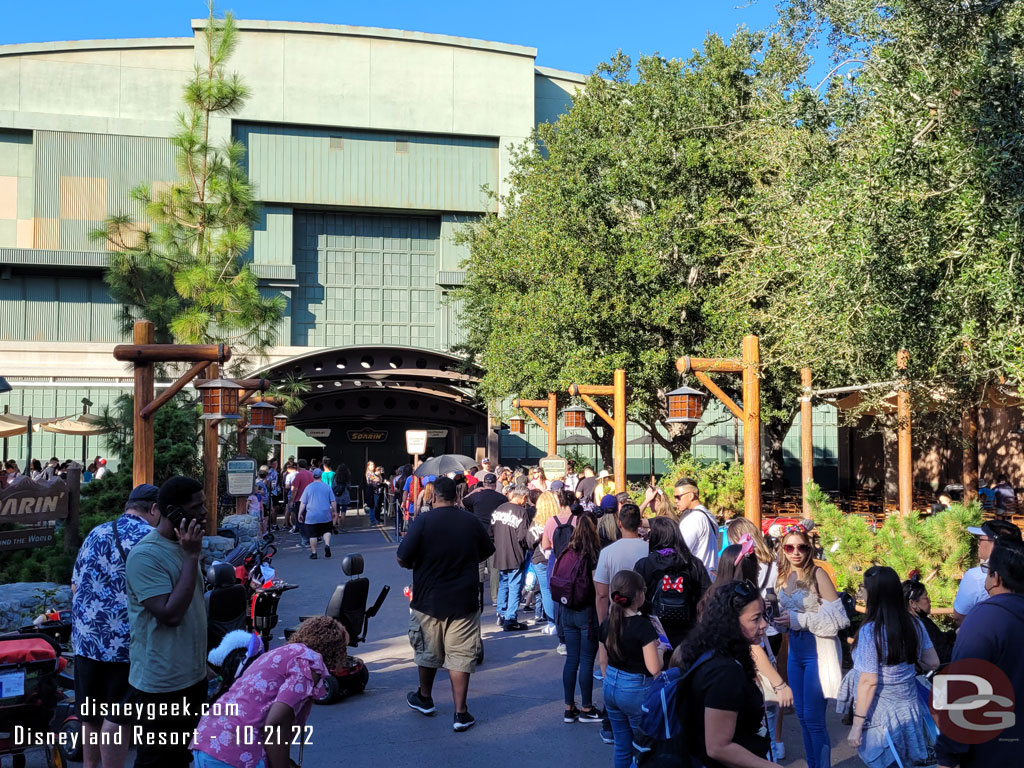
[{"x": 100, "y": 627}]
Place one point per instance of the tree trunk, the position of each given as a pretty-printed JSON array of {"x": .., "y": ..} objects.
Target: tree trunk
[
  {"x": 776, "y": 433},
  {"x": 603, "y": 438}
]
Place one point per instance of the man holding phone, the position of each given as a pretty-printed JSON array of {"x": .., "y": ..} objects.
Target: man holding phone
[{"x": 168, "y": 626}]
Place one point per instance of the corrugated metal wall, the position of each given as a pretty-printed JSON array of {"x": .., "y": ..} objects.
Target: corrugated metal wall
[
  {"x": 316, "y": 166},
  {"x": 81, "y": 178},
  {"x": 45, "y": 308}
]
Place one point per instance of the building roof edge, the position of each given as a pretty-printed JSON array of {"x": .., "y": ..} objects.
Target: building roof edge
[{"x": 61, "y": 46}]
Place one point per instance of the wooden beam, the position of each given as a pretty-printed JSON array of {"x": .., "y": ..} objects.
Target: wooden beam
[
  {"x": 534, "y": 416},
  {"x": 142, "y": 430},
  {"x": 905, "y": 461},
  {"x": 531, "y": 403},
  {"x": 598, "y": 410},
  {"x": 174, "y": 389},
  {"x": 210, "y": 465},
  {"x": 708, "y": 365},
  {"x": 752, "y": 430},
  {"x": 806, "y": 438},
  {"x": 591, "y": 389},
  {"x": 148, "y": 352},
  {"x": 729, "y": 403}
]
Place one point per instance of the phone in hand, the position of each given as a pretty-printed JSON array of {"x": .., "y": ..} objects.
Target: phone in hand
[{"x": 176, "y": 515}]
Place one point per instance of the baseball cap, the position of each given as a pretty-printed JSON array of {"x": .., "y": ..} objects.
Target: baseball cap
[
  {"x": 609, "y": 502},
  {"x": 317, "y": 473},
  {"x": 997, "y": 529},
  {"x": 102, "y": 462},
  {"x": 144, "y": 492},
  {"x": 485, "y": 460},
  {"x": 556, "y": 485},
  {"x": 490, "y": 478}
]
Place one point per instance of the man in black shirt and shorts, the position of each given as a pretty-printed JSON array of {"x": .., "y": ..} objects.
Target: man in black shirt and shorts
[{"x": 444, "y": 548}]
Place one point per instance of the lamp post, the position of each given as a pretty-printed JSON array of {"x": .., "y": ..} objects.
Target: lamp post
[
  {"x": 551, "y": 427},
  {"x": 86, "y": 403},
  {"x": 750, "y": 366},
  {"x": 617, "y": 420}
]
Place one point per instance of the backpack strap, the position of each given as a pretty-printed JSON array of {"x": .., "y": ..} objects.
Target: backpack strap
[{"x": 117, "y": 541}]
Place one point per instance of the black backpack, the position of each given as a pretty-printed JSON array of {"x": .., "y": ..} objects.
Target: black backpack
[
  {"x": 675, "y": 597},
  {"x": 560, "y": 538}
]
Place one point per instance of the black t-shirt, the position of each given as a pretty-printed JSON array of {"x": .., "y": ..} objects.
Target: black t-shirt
[
  {"x": 637, "y": 632},
  {"x": 482, "y": 503},
  {"x": 585, "y": 488},
  {"x": 721, "y": 683},
  {"x": 444, "y": 548}
]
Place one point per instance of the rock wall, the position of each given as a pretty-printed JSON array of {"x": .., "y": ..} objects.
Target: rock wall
[
  {"x": 246, "y": 527},
  {"x": 20, "y": 603}
]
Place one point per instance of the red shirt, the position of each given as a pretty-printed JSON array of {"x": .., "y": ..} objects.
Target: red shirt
[
  {"x": 302, "y": 478},
  {"x": 471, "y": 480}
]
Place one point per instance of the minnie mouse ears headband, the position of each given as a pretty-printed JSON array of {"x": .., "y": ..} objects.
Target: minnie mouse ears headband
[{"x": 746, "y": 543}]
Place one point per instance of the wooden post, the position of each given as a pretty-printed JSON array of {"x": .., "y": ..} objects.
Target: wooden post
[
  {"x": 752, "y": 429},
  {"x": 142, "y": 434},
  {"x": 242, "y": 426},
  {"x": 552, "y": 424},
  {"x": 905, "y": 461},
  {"x": 72, "y": 535},
  {"x": 970, "y": 474},
  {"x": 619, "y": 436},
  {"x": 806, "y": 438},
  {"x": 210, "y": 465}
]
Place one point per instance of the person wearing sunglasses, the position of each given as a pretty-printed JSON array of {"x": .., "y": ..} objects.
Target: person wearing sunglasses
[
  {"x": 721, "y": 705},
  {"x": 813, "y": 614},
  {"x": 920, "y": 606},
  {"x": 972, "y": 585},
  {"x": 699, "y": 528}
]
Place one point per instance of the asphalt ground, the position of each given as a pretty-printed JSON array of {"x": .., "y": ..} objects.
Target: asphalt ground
[{"x": 515, "y": 696}]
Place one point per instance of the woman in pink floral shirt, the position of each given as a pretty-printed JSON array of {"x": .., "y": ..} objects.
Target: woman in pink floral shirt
[{"x": 264, "y": 712}]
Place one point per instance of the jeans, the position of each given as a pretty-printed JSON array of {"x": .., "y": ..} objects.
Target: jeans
[
  {"x": 541, "y": 571},
  {"x": 510, "y": 586},
  {"x": 580, "y": 629},
  {"x": 808, "y": 698},
  {"x": 624, "y": 693}
]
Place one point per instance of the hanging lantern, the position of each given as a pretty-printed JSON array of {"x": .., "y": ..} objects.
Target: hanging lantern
[
  {"x": 517, "y": 425},
  {"x": 261, "y": 415},
  {"x": 220, "y": 398},
  {"x": 574, "y": 417},
  {"x": 280, "y": 422},
  {"x": 685, "y": 405}
]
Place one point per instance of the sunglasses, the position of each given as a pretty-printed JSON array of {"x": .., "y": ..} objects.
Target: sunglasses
[
  {"x": 742, "y": 593},
  {"x": 803, "y": 549}
]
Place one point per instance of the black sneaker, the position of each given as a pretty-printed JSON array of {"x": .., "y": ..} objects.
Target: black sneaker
[
  {"x": 463, "y": 721},
  {"x": 327, "y": 551},
  {"x": 501, "y": 621},
  {"x": 420, "y": 704},
  {"x": 592, "y": 715},
  {"x": 514, "y": 626},
  {"x": 571, "y": 715},
  {"x": 313, "y": 556}
]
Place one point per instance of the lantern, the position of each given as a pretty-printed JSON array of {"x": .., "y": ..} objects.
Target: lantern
[
  {"x": 280, "y": 422},
  {"x": 220, "y": 398},
  {"x": 261, "y": 415},
  {"x": 685, "y": 405},
  {"x": 517, "y": 425},
  {"x": 574, "y": 417}
]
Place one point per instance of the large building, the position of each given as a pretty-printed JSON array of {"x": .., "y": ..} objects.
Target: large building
[{"x": 368, "y": 148}]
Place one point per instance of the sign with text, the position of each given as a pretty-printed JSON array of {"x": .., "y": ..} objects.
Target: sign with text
[
  {"x": 415, "y": 441},
  {"x": 555, "y": 467},
  {"x": 367, "y": 435},
  {"x": 432, "y": 433},
  {"x": 241, "y": 476},
  {"x": 319, "y": 432},
  {"x": 26, "y": 538},
  {"x": 30, "y": 501}
]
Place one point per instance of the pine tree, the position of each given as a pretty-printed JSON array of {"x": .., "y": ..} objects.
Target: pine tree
[{"x": 183, "y": 269}]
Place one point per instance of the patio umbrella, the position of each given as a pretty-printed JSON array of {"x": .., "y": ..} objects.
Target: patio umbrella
[
  {"x": 443, "y": 464},
  {"x": 646, "y": 439},
  {"x": 83, "y": 425},
  {"x": 715, "y": 440},
  {"x": 576, "y": 440}
]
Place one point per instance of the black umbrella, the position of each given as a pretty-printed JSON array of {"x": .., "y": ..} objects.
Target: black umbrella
[
  {"x": 576, "y": 440},
  {"x": 716, "y": 440},
  {"x": 442, "y": 465}
]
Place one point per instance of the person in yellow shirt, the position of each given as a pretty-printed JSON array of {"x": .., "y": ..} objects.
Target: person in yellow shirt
[{"x": 605, "y": 485}]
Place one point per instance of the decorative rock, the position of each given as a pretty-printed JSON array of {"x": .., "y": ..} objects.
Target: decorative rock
[
  {"x": 21, "y": 603},
  {"x": 215, "y": 548},
  {"x": 246, "y": 527}
]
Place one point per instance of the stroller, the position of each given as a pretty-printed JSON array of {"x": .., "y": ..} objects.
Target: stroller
[{"x": 30, "y": 692}]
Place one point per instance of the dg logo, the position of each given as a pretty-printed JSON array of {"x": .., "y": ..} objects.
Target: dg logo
[{"x": 972, "y": 701}]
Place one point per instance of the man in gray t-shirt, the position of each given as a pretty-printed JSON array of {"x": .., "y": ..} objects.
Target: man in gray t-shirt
[{"x": 618, "y": 556}]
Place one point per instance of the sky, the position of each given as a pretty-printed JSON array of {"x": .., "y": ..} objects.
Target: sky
[{"x": 568, "y": 34}]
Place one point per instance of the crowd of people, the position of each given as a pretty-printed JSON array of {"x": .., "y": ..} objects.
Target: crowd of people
[{"x": 52, "y": 470}]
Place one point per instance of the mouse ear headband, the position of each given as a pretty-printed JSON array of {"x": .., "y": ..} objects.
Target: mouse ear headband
[{"x": 746, "y": 543}]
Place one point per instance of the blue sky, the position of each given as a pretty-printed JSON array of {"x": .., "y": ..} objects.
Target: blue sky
[{"x": 568, "y": 35}]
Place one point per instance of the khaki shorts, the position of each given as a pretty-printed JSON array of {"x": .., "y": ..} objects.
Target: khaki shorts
[{"x": 454, "y": 644}]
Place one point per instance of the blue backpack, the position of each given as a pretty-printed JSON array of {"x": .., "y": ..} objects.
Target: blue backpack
[{"x": 660, "y": 718}]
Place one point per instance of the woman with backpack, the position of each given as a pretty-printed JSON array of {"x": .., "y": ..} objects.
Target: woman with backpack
[
  {"x": 630, "y": 655},
  {"x": 674, "y": 581},
  {"x": 720, "y": 707},
  {"x": 558, "y": 531},
  {"x": 888, "y": 720},
  {"x": 579, "y": 621},
  {"x": 813, "y": 614}
]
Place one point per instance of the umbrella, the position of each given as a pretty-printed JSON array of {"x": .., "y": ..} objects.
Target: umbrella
[
  {"x": 715, "y": 440},
  {"x": 443, "y": 464},
  {"x": 645, "y": 439},
  {"x": 83, "y": 425},
  {"x": 576, "y": 440}
]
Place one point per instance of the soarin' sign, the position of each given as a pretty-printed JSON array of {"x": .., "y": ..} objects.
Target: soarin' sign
[{"x": 29, "y": 501}]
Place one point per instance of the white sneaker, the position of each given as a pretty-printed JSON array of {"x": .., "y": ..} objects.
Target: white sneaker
[
  {"x": 561, "y": 649},
  {"x": 779, "y": 750},
  {"x": 550, "y": 629}
]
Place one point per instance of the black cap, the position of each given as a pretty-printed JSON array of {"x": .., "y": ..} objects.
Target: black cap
[
  {"x": 145, "y": 492},
  {"x": 490, "y": 478}
]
